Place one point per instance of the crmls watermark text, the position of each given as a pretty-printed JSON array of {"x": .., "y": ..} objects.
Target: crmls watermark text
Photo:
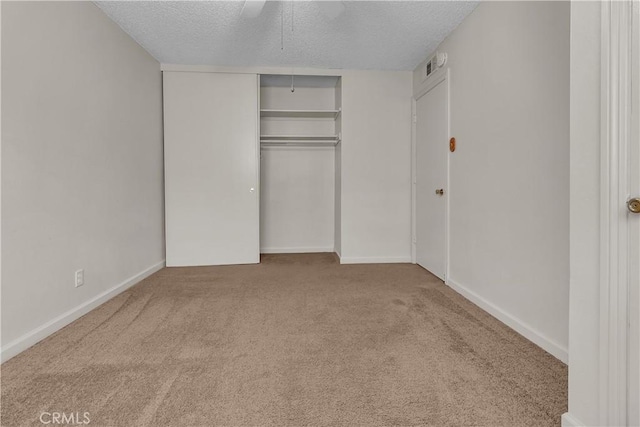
[{"x": 63, "y": 418}]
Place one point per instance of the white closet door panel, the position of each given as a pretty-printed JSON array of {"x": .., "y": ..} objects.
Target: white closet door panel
[{"x": 211, "y": 168}]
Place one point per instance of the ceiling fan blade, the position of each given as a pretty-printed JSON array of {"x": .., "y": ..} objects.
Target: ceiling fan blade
[
  {"x": 331, "y": 9},
  {"x": 252, "y": 8}
]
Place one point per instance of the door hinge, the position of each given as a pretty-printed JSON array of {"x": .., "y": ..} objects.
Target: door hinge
[{"x": 415, "y": 119}]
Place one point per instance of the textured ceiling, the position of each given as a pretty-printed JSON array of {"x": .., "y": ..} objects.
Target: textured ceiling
[{"x": 381, "y": 35}]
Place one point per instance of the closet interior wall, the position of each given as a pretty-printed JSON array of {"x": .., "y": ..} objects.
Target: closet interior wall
[{"x": 298, "y": 180}]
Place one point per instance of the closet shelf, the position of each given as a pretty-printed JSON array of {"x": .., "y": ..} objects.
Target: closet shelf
[
  {"x": 293, "y": 143},
  {"x": 312, "y": 114},
  {"x": 300, "y": 140},
  {"x": 299, "y": 137}
]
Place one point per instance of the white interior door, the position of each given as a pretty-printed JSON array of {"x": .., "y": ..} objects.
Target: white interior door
[
  {"x": 633, "y": 261},
  {"x": 432, "y": 129},
  {"x": 211, "y": 168}
]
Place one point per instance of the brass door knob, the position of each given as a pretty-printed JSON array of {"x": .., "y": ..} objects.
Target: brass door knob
[
  {"x": 440, "y": 192},
  {"x": 634, "y": 205}
]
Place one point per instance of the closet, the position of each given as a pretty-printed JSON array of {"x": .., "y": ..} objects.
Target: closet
[
  {"x": 300, "y": 120},
  {"x": 252, "y": 164}
]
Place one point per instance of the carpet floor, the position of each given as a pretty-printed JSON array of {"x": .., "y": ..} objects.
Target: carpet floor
[{"x": 297, "y": 340}]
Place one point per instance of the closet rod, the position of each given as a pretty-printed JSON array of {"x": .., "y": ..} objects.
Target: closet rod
[{"x": 299, "y": 143}]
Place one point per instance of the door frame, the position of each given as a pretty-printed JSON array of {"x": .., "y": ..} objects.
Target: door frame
[
  {"x": 616, "y": 135},
  {"x": 258, "y": 166},
  {"x": 440, "y": 76}
]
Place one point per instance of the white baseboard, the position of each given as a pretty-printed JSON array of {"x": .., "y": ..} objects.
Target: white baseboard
[
  {"x": 38, "y": 334},
  {"x": 517, "y": 325},
  {"x": 375, "y": 260},
  {"x": 569, "y": 420},
  {"x": 303, "y": 250}
]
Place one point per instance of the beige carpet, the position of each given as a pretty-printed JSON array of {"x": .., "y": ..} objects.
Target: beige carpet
[{"x": 298, "y": 340}]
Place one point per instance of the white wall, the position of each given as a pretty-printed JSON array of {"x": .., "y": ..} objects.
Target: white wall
[
  {"x": 297, "y": 199},
  {"x": 584, "y": 320},
  {"x": 509, "y": 176},
  {"x": 82, "y": 180},
  {"x": 297, "y": 184},
  {"x": 376, "y": 171}
]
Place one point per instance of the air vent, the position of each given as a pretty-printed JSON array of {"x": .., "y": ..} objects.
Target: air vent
[
  {"x": 431, "y": 66},
  {"x": 436, "y": 61}
]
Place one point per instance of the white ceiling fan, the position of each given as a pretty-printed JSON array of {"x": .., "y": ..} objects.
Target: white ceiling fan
[
  {"x": 331, "y": 9},
  {"x": 252, "y": 8}
]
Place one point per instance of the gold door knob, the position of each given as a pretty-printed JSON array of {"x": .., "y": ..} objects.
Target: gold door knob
[
  {"x": 634, "y": 205},
  {"x": 440, "y": 192}
]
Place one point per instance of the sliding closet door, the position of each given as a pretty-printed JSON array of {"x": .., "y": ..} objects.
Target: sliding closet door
[{"x": 211, "y": 168}]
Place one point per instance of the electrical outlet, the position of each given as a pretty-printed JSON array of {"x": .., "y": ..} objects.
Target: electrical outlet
[{"x": 79, "y": 278}]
